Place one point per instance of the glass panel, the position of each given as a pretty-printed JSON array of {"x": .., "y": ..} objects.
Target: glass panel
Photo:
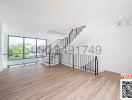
[
  {"x": 18, "y": 50},
  {"x": 41, "y": 47},
  {"x": 15, "y": 48},
  {"x": 30, "y": 48}
]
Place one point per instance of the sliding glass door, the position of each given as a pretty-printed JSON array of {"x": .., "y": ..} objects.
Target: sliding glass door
[
  {"x": 41, "y": 47},
  {"x": 25, "y": 48},
  {"x": 29, "y": 48},
  {"x": 15, "y": 48}
]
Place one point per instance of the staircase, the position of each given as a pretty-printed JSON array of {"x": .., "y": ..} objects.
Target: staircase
[
  {"x": 55, "y": 54},
  {"x": 55, "y": 49}
]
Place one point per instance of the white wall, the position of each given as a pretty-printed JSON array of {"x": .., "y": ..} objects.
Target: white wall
[
  {"x": 115, "y": 41},
  {"x": 1, "y": 66}
]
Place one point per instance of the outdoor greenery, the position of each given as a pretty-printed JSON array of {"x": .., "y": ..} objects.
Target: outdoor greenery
[{"x": 18, "y": 50}]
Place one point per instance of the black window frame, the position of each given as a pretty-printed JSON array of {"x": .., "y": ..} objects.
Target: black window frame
[{"x": 24, "y": 47}]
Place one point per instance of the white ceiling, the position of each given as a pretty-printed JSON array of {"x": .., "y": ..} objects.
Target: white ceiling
[{"x": 59, "y": 15}]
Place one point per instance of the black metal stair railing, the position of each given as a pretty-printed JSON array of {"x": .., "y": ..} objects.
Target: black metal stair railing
[
  {"x": 63, "y": 43},
  {"x": 55, "y": 54},
  {"x": 85, "y": 62}
]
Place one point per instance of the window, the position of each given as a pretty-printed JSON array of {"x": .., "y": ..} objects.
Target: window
[
  {"x": 29, "y": 48},
  {"x": 25, "y": 48},
  {"x": 15, "y": 48},
  {"x": 41, "y": 47}
]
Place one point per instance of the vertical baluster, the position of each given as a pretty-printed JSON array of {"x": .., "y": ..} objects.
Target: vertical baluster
[
  {"x": 88, "y": 63},
  {"x": 62, "y": 58},
  {"x": 65, "y": 58},
  {"x": 76, "y": 32},
  {"x": 69, "y": 59},
  {"x": 82, "y": 61},
  {"x": 52, "y": 58},
  {"x": 86, "y": 60},
  {"x": 95, "y": 65},
  {"x": 73, "y": 60},
  {"x": 76, "y": 59},
  {"x": 49, "y": 59},
  {"x": 55, "y": 58},
  {"x": 69, "y": 38},
  {"x": 72, "y": 36},
  {"x": 67, "y": 41},
  {"x": 92, "y": 63}
]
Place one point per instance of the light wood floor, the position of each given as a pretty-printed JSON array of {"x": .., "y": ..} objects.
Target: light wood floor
[{"x": 37, "y": 82}]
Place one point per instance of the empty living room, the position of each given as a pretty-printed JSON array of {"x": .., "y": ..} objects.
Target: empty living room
[{"x": 65, "y": 50}]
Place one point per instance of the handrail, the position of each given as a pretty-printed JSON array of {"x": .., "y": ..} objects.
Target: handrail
[
  {"x": 54, "y": 41},
  {"x": 78, "y": 61},
  {"x": 90, "y": 63},
  {"x": 85, "y": 62},
  {"x": 73, "y": 33},
  {"x": 63, "y": 43}
]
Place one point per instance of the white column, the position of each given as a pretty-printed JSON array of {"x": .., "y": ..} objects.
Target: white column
[{"x": 1, "y": 64}]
